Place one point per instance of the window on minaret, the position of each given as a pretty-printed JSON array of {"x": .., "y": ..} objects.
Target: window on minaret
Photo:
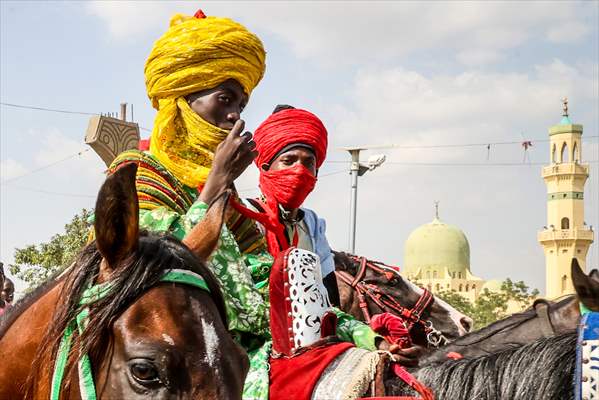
[
  {"x": 437, "y": 287},
  {"x": 575, "y": 156},
  {"x": 564, "y": 282},
  {"x": 553, "y": 160},
  {"x": 565, "y": 223},
  {"x": 434, "y": 274},
  {"x": 467, "y": 287},
  {"x": 460, "y": 289},
  {"x": 565, "y": 156}
]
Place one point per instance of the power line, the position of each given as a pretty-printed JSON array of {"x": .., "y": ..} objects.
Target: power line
[
  {"x": 519, "y": 164},
  {"x": 44, "y": 167},
  {"x": 58, "y": 111},
  {"x": 51, "y": 192},
  {"x": 453, "y": 145},
  {"x": 47, "y": 109}
]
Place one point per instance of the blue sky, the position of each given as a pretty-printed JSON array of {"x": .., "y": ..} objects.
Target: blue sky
[{"x": 411, "y": 73}]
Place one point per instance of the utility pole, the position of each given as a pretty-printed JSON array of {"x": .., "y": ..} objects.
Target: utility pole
[{"x": 356, "y": 170}]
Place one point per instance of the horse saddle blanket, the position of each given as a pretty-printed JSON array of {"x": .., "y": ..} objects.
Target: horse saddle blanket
[
  {"x": 300, "y": 310},
  {"x": 587, "y": 358}
]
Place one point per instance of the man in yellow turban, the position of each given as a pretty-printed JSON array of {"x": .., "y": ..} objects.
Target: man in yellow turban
[{"x": 199, "y": 77}]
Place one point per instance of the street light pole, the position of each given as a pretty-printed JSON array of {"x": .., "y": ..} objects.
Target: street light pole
[
  {"x": 353, "y": 206},
  {"x": 356, "y": 169}
]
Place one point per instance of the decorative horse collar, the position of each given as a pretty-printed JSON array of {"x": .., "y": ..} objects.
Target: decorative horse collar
[{"x": 91, "y": 295}]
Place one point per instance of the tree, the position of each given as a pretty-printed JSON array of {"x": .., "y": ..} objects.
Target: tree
[
  {"x": 456, "y": 300},
  {"x": 34, "y": 264},
  {"x": 491, "y": 306}
]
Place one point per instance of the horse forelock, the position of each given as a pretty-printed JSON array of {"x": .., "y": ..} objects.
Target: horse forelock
[{"x": 130, "y": 279}]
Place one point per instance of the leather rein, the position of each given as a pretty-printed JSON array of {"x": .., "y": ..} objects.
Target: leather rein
[{"x": 365, "y": 291}]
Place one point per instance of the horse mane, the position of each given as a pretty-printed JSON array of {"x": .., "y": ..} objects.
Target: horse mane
[
  {"x": 12, "y": 313},
  {"x": 539, "y": 370},
  {"x": 131, "y": 278}
]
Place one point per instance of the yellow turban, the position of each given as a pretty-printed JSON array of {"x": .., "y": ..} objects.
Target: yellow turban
[{"x": 196, "y": 54}]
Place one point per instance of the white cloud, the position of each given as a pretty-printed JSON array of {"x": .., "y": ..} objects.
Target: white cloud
[
  {"x": 10, "y": 169},
  {"x": 401, "y": 105},
  {"x": 56, "y": 147},
  {"x": 499, "y": 208},
  {"x": 359, "y": 32},
  {"x": 568, "y": 32},
  {"x": 128, "y": 19}
]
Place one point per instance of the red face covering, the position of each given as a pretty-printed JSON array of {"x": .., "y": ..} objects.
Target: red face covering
[{"x": 289, "y": 187}]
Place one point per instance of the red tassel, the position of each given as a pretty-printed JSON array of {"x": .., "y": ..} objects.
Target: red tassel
[{"x": 199, "y": 14}]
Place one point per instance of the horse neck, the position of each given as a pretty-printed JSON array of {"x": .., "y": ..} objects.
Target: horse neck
[
  {"x": 18, "y": 353},
  {"x": 496, "y": 336},
  {"x": 539, "y": 370}
]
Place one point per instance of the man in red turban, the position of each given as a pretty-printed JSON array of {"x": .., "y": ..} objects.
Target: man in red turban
[{"x": 289, "y": 148}]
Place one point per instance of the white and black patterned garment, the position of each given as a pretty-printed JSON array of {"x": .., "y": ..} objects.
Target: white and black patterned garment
[{"x": 308, "y": 296}]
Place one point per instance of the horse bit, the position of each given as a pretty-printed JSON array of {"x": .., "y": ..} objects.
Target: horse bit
[{"x": 434, "y": 337}]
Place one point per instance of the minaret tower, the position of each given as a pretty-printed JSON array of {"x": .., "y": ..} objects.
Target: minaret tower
[{"x": 566, "y": 234}]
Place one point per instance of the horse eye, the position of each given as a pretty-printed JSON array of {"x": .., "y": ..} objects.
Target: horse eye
[{"x": 144, "y": 372}]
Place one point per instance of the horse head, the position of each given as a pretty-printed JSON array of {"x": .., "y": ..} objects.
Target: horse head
[
  {"x": 446, "y": 321},
  {"x": 147, "y": 336}
]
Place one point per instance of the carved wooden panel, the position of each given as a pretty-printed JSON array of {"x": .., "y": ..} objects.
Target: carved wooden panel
[{"x": 110, "y": 136}]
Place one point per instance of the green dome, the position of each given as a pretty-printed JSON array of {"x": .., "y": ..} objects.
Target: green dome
[{"x": 436, "y": 246}]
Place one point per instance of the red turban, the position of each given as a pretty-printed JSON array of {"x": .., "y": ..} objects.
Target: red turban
[{"x": 288, "y": 127}]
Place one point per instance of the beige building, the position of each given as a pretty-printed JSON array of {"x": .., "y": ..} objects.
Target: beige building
[
  {"x": 566, "y": 234},
  {"x": 437, "y": 256}
]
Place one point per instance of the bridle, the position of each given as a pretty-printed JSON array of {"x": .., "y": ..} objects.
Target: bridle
[
  {"x": 411, "y": 316},
  {"x": 91, "y": 295}
]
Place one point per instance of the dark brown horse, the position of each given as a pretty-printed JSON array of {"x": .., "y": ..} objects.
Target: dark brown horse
[
  {"x": 543, "y": 319},
  {"x": 543, "y": 368},
  {"x": 145, "y": 337},
  {"x": 446, "y": 321}
]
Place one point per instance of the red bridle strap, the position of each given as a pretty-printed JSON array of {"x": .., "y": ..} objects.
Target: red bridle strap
[{"x": 383, "y": 300}]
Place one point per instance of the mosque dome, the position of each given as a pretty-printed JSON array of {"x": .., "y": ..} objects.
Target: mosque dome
[
  {"x": 436, "y": 246},
  {"x": 492, "y": 286}
]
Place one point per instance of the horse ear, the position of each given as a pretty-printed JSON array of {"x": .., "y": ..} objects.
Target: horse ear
[
  {"x": 117, "y": 216},
  {"x": 586, "y": 287},
  {"x": 203, "y": 238}
]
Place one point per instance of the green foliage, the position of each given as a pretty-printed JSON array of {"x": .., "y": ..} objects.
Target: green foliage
[
  {"x": 457, "y": 301},
  {"x": 491, "y": 306},
  {"x": 34, "y": 264}
]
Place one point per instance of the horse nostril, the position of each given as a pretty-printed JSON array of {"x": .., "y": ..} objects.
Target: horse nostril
[{"x": 466, "y": 323}]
